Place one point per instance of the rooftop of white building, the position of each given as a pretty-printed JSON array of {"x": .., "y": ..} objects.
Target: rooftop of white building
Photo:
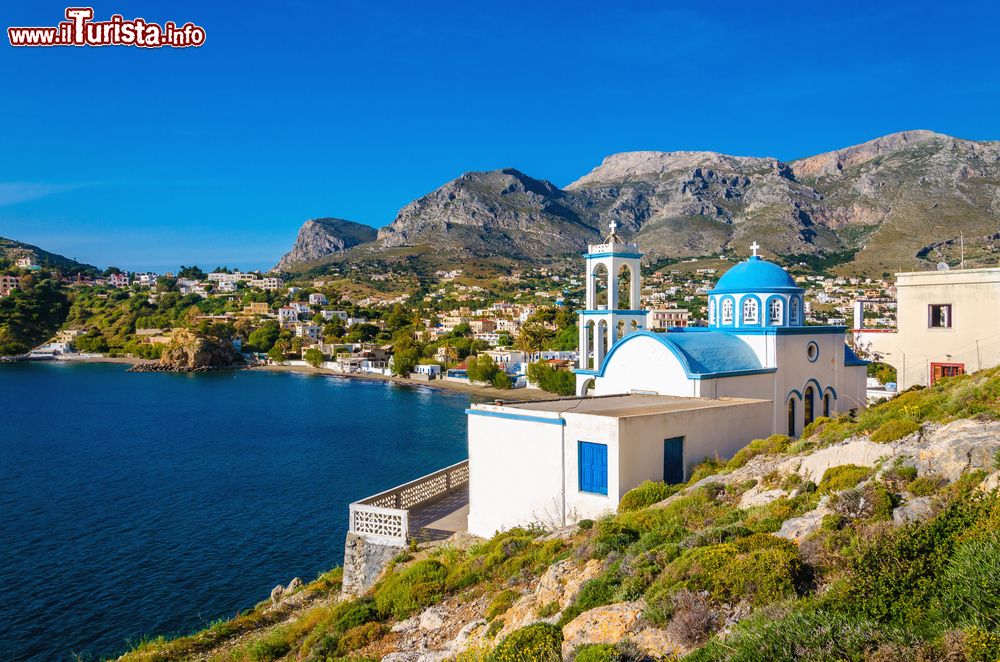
[{"x": 614, "y": 406}]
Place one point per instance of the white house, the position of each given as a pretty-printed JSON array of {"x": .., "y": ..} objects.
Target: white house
[
  {"x": 287, "y": 315},
  {"x": 317, "y": 299},
  {"x": 651, "y": 405}
]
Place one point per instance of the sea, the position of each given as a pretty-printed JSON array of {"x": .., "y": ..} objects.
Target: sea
[{"x": 139, "y": 504}]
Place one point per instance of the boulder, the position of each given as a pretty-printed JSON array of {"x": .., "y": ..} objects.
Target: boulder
[
  {"x": 603, "y": 625},
  {"x": 915, "y": 509},
  {"x": 277, "y": 593},
  {"x": 755, "y": 497},
  {"x": 861, "y": 452},
  {"x": 991, "y": 482},
  {"x": 797, "y": 528},
  {"x": 560, "y": 583},
  {"x": 657, "y": 644},
  {"x": 957, "y": 447},
  {"x": 431, "y": 619},
  {"x": 293, "y": 585}
]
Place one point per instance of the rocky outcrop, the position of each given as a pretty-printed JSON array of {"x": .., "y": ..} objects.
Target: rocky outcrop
[
  {"x": 190, "y": 352},
  {"x": 321, "y": 237},
  {"x": 364, "y": 561}
]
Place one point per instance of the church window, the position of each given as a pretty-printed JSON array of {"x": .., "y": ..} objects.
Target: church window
[
  {"x": 826, "y": 405},
  {"x": 593, "y": 461},
  {"x": 794, "y": 311},
  {"x": 727, "y": 311},
  {"x": 791, "y": 417},
  {"x": 774, "y": 311},
  {"x": 711, "y": 311},
  {"x": 807, "y": 405},
  {"x": 749, "y": 311}
]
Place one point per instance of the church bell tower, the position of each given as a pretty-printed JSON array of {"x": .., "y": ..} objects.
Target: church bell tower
[{"x": 612, "y": 309}]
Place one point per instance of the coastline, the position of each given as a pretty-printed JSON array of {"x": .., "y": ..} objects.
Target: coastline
[
  {"x": 480, "y": 391},
  {"x": 487, "y": 392}
]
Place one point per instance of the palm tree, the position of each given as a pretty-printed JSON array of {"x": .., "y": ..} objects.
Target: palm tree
[{"x": 533, "y": 338}]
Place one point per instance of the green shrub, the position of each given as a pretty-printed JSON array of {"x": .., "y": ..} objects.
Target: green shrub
[
  {"x": 411, "y": 589},
  {"x": 843, "y": 477},
  {"x": 925, "y": 485},
  {"x": 594, "y": 593},
  {"x": 773, "y": 445},
  {"x": 541, "y": 642},
  {"x": 707, "y": 467},
  {"x": 969, "y": 588},
  {"x": 359, "y": 637},
  {"x": 585, "y": 524},
  {"x": 760, "y": 568},
  {"x": 817, "y": 425},
  {"x": 500, "y": 380},
  {"x": 500, "y": 603},
  {"x": 275, "y": 645},
  {"x": 805, "y": 634},
  {"x": 623, "y": 651},
  {"x": 613, "y": 536},
  {"x": 645, "y": 495},
  {"x": 894, "y": 429},
  {"x": 550, "y": 609}
]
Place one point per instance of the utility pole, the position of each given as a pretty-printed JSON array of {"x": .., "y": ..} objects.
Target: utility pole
[{"x": 961, "y": 239}]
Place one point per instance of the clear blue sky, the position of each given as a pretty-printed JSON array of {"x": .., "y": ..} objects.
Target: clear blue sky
[{"x": 298, "y": 109}]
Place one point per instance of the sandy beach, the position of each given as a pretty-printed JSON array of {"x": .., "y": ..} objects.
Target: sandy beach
[{"x": 486, "y": 392}]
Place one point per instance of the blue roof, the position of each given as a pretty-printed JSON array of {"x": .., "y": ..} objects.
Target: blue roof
[
  {"x": 703, "y": 352},
  {"x": 755, "y": 275}
]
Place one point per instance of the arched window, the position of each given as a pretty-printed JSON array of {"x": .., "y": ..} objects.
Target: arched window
[
  {"x": 599, "y": 283},
  {"x": 774, "y": 311},
  {"x": 620, "y": 330},
  {"x": 749, "y": 311},
  {"x": 727, "y": 311},
  {"x": 791, "y": 417},
  {"x": 794, "y": 311},
  {"x": 826, "y": 405},
  {"x": 807, "y": 405}
]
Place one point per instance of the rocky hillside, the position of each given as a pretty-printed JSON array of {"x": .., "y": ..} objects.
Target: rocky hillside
[
  {"x": 12, "y": 250},
  {"x": 875, "y": 538},
  {"x": 190, "y": 351},
  {"x": 897, "y": 202},
  {"x": 321, "y": 237}
]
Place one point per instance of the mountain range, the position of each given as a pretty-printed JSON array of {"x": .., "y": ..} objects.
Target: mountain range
[{"x": 904, "y": 201}]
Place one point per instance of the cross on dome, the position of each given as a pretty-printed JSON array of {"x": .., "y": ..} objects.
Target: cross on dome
[{"x": 754, "y": 247}]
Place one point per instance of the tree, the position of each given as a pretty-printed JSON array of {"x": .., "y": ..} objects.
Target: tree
[
  {"x": 552, "y": 380},
  {"x": 276, "y": 355},
  {"x": 533, "y": 338},
  {"x": 482, "y": 369},
  {"x": 191, "y": 272},
  {"x": 314, "y": 357},
  {"x": 501, "y": 380},
  {"x": 263, "y": 338},
  {"x": 404, "y": 361}
]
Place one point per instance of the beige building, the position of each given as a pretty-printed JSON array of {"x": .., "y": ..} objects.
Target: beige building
[
  {"x": 666, "y": 318},
  {"x": 948, "y": 323}
]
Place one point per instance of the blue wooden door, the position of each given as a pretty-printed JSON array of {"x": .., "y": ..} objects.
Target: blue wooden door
[
  {"x": 593, "y": 459},
  {"x": 673, "y": 460}
]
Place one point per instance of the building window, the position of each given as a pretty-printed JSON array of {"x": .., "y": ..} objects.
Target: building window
[
  {"x": 593, "y": 460},
  {"x": 939, "y": 316},
  {"x": 727, "y": 311},
  {"x": 812, "y": 351},
  {"x": 749, "y": 311},
  {"x": 791, "y": 417},
  {"x": 774, "y": 311},
  {"x": 794, "y": 311},
  {"x": 826, "y": 405},
  {"x": 807, "y": 405}
]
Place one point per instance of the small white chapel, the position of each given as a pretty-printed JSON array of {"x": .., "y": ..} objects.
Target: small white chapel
[{"x": 650, "y": 406}]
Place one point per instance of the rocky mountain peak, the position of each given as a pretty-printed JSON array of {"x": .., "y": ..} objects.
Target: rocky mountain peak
[
  {"x": 321, "y": 237},
  {"x": 836, "y": 162},
  {"x": 630, "y": 166}
]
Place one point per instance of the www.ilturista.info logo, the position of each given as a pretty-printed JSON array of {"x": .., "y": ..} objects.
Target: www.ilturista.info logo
[{"x": 79, "y": 29}]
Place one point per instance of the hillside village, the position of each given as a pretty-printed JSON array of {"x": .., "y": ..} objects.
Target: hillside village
[{"x": 451, "y": 314}]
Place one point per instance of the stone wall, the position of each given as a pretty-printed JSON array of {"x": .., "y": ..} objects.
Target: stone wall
[{"x": 364, "y": 561}]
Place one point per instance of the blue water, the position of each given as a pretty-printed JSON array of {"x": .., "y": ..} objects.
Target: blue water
[{"x": 143, "y": 504}]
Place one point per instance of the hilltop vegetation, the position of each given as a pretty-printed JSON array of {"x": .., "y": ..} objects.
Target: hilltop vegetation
[
  {"x": 845, "y": 544},
  {"x": 31, "y": 315}
]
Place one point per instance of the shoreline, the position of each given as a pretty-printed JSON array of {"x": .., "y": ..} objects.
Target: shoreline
[
  {"x": 482, "y": 391},
  {"x": 487, "y": 392}
]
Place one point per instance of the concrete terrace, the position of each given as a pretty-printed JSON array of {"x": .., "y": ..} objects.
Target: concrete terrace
[{"x": 618, "y": 406}]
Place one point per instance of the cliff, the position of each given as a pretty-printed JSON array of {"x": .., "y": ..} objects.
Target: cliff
[
  {"x": 321, "y": 237},
  {"x": 870, "y": 538},
  {"x": 189, "y": 351}
]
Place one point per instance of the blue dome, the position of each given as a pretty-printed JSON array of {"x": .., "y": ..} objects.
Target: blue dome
[{"x": 755, "y": 275}]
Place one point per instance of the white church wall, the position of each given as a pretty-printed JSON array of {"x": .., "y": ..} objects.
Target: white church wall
[
  {"x": 644, "y": 364},
  {"x": 515, "y": 474}
]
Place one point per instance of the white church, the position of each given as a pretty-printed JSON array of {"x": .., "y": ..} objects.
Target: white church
[{"x": 652, "y": 405}]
